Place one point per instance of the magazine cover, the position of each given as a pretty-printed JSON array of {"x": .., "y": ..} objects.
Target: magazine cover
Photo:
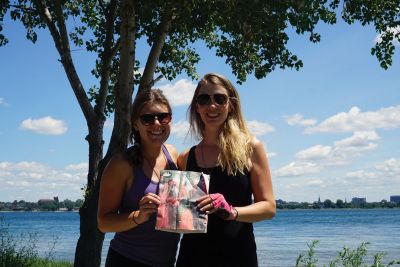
[{"x": 179, "y": 191}]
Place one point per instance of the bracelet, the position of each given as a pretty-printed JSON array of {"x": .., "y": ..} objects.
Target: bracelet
[
  {"x": 133, "y": 218},
  {"x": 237, "y": 214}
]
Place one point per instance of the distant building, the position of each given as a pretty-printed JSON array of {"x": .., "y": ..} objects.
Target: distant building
[
  {"x": 280, "y": 201},
  {"x": 318, "y": 204},
  {"x": 395, "y": 199},
  {"x": 48, "y": 201},
  {"x": 358, "y": 200}
]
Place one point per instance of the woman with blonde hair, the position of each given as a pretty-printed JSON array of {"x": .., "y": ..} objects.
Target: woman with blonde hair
[{"x": 240, "y": 190}]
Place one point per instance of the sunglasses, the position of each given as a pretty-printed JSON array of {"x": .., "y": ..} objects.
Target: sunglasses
[
  {"x": 148, "y": 119},
  {"x": 205, "y": 99}
]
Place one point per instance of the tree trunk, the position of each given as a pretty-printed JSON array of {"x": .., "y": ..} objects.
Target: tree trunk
[{"x": 90, "y": 242}]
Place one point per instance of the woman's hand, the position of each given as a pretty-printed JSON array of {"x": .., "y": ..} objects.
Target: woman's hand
[
  {"x": 216, "y": 203},
  {"x": 148, "y": 205}
]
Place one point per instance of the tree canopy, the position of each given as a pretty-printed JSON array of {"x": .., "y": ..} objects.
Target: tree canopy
[{"x": 385, "y": 17}]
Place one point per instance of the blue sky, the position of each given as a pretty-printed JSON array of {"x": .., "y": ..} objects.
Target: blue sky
[{"x": 330, "y": 129}]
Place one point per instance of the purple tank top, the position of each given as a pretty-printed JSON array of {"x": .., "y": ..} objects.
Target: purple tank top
[{"x": 143, "y": 243}]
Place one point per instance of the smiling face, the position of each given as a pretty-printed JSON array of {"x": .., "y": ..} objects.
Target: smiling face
[
  {"x": 154, "y": 133},
  {"x": 211, "y": 113}
]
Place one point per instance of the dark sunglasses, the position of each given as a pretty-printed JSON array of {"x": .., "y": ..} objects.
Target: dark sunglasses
[
  {"x": 205, "y": 99},
  {"x": 163, "y": 118}
]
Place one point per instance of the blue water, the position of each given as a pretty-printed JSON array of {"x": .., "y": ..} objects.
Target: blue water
[{"x": 279, "y": 241}]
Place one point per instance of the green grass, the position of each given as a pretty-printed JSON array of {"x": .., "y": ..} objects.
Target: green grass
[
  {"x": 345, "y": 258},
  {"x": 22, "y": 251}
]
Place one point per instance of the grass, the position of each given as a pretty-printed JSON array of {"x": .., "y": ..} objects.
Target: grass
[
  {"x": 345, "y": 258},
  {"x": 22, "y": 251}
]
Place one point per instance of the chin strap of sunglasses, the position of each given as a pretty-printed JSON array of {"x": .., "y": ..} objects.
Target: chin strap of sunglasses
[{"x": 224, "y": 210}]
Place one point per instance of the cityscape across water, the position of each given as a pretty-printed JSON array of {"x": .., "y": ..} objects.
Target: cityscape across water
[
  {"x": 55, "y": 204},
  {"x": 279, "y": 241}
]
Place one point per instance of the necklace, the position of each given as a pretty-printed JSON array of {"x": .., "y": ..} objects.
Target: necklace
[
  {"x": 208, "y": 169},
  {"x": 153, "y": 168}
]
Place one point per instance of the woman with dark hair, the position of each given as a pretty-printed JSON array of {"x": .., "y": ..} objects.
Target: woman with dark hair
[
  {"x": 240, "y": 190},
  {"x": 128, "y": 199}
]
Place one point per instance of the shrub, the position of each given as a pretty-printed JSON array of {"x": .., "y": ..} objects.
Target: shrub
[
  {"x": 22, "y": 252},
  {"x": 346, "y": 257}
]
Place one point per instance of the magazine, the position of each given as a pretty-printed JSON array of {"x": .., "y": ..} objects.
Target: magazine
[{"x": 178, "y": 210}]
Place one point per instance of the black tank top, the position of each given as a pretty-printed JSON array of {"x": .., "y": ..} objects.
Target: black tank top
[{"x": 229, "y": 243}]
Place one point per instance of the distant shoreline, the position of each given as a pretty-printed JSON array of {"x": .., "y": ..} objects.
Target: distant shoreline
[{"x": 278, "y": 209}]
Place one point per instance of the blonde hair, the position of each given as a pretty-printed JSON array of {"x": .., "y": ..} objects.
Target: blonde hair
[{"x": 234, "y": 139}]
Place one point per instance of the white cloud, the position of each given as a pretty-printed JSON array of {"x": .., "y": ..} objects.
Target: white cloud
[
  {"x": 180, "y": 128},
  {"x": 81, "y": 167},
  {"x": 360, "y": 174},
  {"x": 139, "y": 71},
  {"x": 393, "y": 30},
  {"x": 358, "y": 143},
  {"x": 109, "y": 123},
  {"x": 389, "y": 168},
  {"x": 355, "y": 120},
  {"x": 385, "y": 172},
  {"x": 3, "y": 103},
  {"x": 316, "y": 152},
  {"x": 46, "y": 125},
  {"x": 320, "y": 157},
  {"x": 179, "y": 93},
  {"x": 297, "y": 119},
  {"x": 271, "y": 154},
  {"x": 358, "y": 139},
  {"x": 315, "y": 182},
  {"x": 41, "y": 181},
  {"x": 297, "y": 169},
  {"x": 23, "y": 166},
  {"x": 259, "y": 128}
]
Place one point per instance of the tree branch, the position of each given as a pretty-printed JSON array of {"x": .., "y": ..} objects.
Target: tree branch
[
  {"x": 155, "y": 51},
  {"x": 66, "y": 59},
  {"x": 101, "y": 4},
  {"x": 106, "y": 58},
  {"x": 116, "y": 47},
  {"x": 155, "y": 80},
  {"x": 22, "y": 7},
  {"x": 124, "y": 88},
  {"x": 46, "y": 16}
]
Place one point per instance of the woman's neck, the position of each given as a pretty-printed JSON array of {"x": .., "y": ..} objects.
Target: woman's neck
[
  {"x": 151, "y": 152},
  {"x": 210, "y": 137}
]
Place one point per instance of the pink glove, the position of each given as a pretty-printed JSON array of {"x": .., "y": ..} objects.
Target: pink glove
[{"x": 223, "y": 209}]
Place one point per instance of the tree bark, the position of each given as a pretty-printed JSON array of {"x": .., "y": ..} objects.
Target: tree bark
[
  {"x": 89, "y": 247},
  {"x": 124, "y": 88},
  {"x": 159, "y": 40},
  {"x": 90, "y": 242}
]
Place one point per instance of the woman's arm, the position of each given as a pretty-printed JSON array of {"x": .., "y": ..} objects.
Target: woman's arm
[
  {"x": 112, "y": 188},
  {"x": 264, "y": 206}
]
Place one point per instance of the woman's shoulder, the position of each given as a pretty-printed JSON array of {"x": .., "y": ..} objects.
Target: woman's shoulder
[
  {"x": 259, "y": 152},
  {"x": 182, "y": 159},
  {"x": 172, "y": 150},
  {"x": 120, "y": 160},
  {"x": 255, "y": 143}
]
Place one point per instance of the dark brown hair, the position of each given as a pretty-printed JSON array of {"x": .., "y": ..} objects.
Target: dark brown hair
[{"x": 152, "y": 96}]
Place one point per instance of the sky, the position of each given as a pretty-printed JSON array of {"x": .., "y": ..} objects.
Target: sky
[{"x": 331, "y": 130}]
